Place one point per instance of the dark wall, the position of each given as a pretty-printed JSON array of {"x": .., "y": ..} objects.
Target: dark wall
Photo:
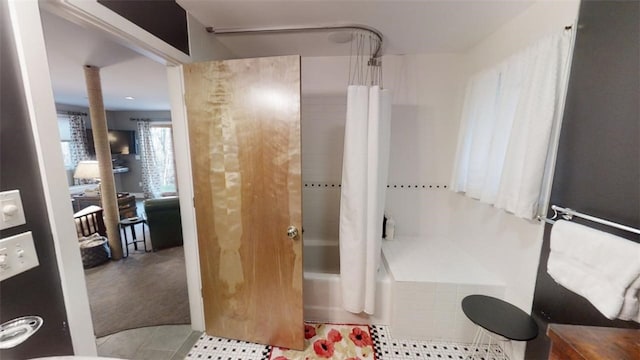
[
  {"x": 36, "y": 291},
  {"x": 598, "y": 166},
  {"x": 163, "y": 18}
]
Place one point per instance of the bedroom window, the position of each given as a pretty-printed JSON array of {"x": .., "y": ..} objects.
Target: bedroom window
[
  {"x": 156, "y": 152},
  {"x": 65, "y": 140},
  {"x": 163, "y": 152}
]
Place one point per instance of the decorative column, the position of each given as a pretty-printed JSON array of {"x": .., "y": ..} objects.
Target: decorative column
[{"x": 103, "y": 154}]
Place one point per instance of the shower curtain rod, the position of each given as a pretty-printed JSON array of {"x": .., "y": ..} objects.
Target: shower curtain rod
[{"x": 302, "y": 28}]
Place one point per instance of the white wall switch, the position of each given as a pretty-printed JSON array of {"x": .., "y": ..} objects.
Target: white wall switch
[
  {"x": 11, "y": 210},
  {"x": 17, "y": 255}
]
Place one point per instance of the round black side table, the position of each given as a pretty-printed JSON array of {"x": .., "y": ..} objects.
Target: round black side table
[
  {"x": 131, "y": 224},
  {"x": 495, "y": 316}
]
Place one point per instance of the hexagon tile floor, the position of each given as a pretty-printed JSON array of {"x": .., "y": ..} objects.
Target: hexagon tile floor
[{"x": 386, "y": 348}]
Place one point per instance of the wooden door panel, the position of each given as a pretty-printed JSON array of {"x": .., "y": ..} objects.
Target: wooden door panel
[{"x": 244, "y": 129}]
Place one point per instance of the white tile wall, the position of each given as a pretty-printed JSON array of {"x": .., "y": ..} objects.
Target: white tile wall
[
  {"x": 322, "y": 129},
  {"x": 502, "y": 243},
  {"x": 416, "y": 212},
  {"x": 432, "y": 310},
  {"x": 322, "y": 132},
  {"x": 321, "y": 213}
]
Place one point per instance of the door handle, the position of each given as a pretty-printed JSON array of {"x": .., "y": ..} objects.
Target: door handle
[{"x": 292, "y": 232}]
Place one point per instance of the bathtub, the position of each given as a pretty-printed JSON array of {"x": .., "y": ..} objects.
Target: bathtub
[{"x": 322, "y": 290}]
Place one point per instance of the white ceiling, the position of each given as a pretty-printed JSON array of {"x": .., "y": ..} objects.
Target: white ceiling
[
  {"x": 409, "y": 27},
  {"x": 123, "y": 72}
]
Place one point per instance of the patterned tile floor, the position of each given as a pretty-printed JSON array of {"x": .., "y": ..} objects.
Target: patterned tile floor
[
  {"x": 387, "y": 348},
  {"x": 215, "y": 348}
]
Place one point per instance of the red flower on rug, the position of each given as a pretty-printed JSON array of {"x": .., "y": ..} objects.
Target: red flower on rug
[
  {"x": 309, "y": 331},
  {"x": 334, "y": 336},
  {"x": 323, "y": 348},
  {"x": 360, "y": 338},
  {"x": 331, "y": 342}
]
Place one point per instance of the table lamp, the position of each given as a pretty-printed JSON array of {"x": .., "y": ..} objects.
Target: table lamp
[{"x": 88, "y": 169}]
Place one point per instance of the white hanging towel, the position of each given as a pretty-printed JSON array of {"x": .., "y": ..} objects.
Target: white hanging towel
[
  {"x": 364, "y": 177},
  {"x": 599, "y": 266}
]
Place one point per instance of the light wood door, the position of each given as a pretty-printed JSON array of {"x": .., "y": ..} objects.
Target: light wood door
[{"x": 244, "y": 130}]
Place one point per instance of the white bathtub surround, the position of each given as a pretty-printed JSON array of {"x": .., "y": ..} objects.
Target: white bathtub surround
[
  {"x": 364, "y": 178},
  {"x": 323, "y": 300},
  {"x": 431, "y": 276},
  {"x": 506, "y": 126}
]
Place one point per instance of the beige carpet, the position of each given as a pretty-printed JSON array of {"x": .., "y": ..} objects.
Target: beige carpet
[{"x": 145, "y": 289}]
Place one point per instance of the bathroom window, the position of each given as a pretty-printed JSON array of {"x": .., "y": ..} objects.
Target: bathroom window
[
  {"x": 65, "y": 140},
  {"x": 510, "y": 118}
]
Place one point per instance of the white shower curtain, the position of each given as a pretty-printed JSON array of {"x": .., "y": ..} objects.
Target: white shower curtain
[{"x": 365, "y": 167}]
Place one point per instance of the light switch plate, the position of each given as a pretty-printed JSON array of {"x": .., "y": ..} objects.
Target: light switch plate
[
  {"x": 17, "y": 255},
  {"x": 11, "y": 210}
]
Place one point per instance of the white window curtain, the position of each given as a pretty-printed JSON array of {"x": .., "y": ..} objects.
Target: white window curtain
[
  {"x": 506, "y": 127},
  {"x": 161, "y": 139},
  {"x": 365, "y": 166},
  {"x": 151, "y": 183}
]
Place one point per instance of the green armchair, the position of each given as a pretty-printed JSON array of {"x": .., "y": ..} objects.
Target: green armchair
[{"x": 163, "y": 219}]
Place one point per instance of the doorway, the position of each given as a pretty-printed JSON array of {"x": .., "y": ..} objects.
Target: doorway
[
  {"x": 26, "y": 18},
  {"x": 149, "y": 287}
]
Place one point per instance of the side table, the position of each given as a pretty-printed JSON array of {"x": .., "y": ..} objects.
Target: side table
[
  {"x": 131, "y": 224},
  {"x": 495, "y": 316}
]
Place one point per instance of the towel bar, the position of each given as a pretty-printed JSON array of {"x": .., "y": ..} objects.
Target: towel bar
[{"x": 567, "y": 214}]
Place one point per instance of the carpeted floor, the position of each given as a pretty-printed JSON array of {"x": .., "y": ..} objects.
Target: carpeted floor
[{"x": 145, "y": 289}]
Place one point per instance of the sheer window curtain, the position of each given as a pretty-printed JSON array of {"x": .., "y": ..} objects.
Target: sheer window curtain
[
  {"x": 506, "y": 127},
  {"x": 161, "y": 136},
  {"x": 151, "y": 180}
]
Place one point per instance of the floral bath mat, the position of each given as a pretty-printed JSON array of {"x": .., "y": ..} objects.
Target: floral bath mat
[{"x": 330, "y": 341}]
